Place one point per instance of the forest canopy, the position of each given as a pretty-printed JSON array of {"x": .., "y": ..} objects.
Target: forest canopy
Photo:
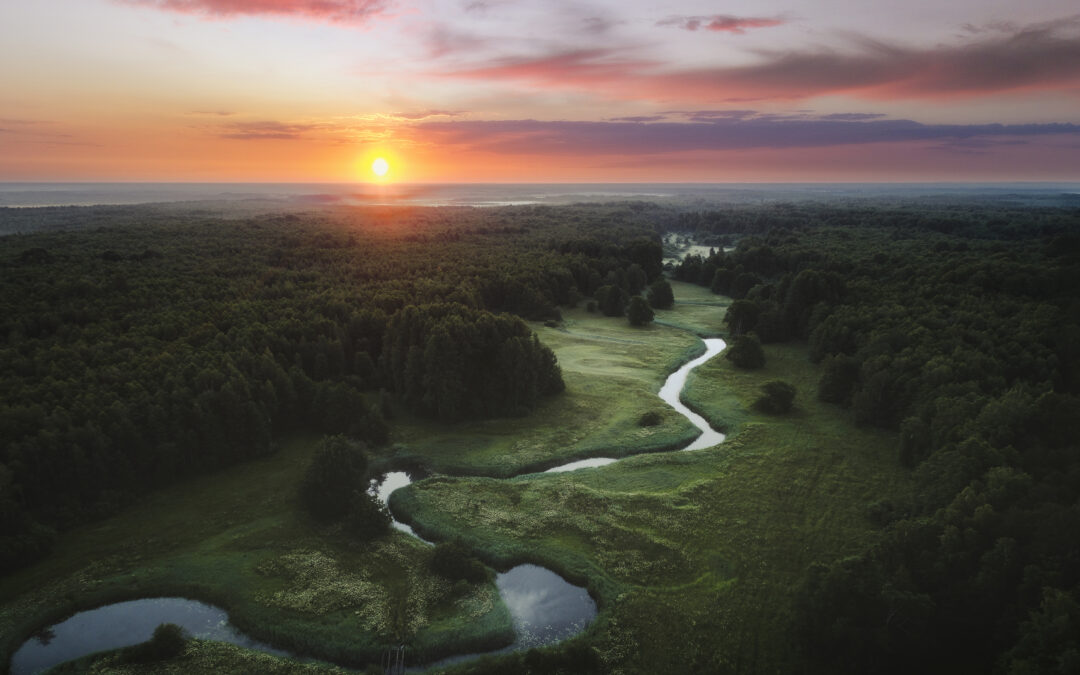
[{"x": 958, "y": 326}]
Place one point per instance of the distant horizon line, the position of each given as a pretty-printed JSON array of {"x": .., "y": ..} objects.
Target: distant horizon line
[{"x": 451, "y": 183}]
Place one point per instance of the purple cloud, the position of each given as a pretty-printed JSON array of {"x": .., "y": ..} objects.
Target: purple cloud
[
  {"x": 425, "y": 114},
  {"x": 621, "y": 138},
  {"x": 639, "y": 118},
  {"x": 722, "y": 23}
]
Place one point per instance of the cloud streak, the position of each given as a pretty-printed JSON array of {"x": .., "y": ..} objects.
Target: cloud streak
[
  {"x": 334, "y": 11},
  {"x": 1040, "y": 57},
  {"x": 532, "y": 137},
  {"x": 262, "y": 131},
  {"x": 722, "y": 23}
]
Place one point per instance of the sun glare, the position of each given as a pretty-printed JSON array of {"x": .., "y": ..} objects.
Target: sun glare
[{"x": 380, "y": 167}]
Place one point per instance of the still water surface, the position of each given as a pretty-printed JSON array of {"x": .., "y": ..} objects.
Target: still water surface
[{"x": 126, "y": 623}]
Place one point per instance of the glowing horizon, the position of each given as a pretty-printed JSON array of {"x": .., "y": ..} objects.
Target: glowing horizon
[{"x": 491, "y": 92}]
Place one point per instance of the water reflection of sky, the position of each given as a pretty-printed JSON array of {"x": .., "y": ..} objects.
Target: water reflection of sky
[
  {"x": 382, "y": 489},
  {"x": 122, "y": 624},
  {"x": 545, "y": 608}
]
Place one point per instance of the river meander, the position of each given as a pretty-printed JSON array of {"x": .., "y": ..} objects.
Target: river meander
[{"x": 544, "y": 607}]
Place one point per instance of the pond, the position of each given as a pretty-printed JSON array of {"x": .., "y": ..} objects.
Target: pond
[{"x": 126, "y": 623}]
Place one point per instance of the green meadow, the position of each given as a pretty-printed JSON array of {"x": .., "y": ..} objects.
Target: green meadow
[{"x": 694, "y": 558}]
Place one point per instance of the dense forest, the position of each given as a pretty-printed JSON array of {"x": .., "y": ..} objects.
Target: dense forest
[
  {"x": 166, "y": 346},
  {"x": 959, "y": 327}
]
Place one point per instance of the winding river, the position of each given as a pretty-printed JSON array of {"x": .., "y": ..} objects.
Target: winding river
[{"x": 544, "y": 607}]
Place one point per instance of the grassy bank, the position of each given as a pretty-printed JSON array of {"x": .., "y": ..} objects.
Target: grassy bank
[
  {"x": 199, "y": 656},
  {"x": 237, "y": 539},
  {"x": 697, "y": 310}
]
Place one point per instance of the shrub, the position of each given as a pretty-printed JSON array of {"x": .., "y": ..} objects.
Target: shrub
[
  {"x": 338, "y": 468},
  {"x": 368, "y": 518},
  {"x": 650, "y": 419},
  {"x": 167, "y": 642},
  {"x": 660, "y": 295},
  {"x": 453, "y": 561},
  {"x": 746, "y": 352},
  {"x": 638, "y": 312},
  {"x": 777, "y": 397}
]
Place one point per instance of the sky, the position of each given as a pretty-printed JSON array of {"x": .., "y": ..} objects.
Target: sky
[{"x": 463, "y": 91}]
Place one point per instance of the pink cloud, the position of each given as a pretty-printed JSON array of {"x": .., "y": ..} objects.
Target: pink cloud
[
  {"x": 574, "y": 68},
  {"x": 335, "y": 11},
  {"x": 1033, "y": 58},
  {"x": 722, "y": 23}
]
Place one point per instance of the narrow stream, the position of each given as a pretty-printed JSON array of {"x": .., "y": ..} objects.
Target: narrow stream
[
  {"x": 669, "y": 393},
  {"x": 673, "y": 387},
  {"x": 544, "y": 607}
]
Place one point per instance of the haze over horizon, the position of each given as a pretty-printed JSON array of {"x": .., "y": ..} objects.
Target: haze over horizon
[{"x": 481, "y": 91}]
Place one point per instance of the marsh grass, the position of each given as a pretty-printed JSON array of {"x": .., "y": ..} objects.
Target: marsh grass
[
  {"x": 238, "y": 539},
  {"x": 696, "y": 310}
]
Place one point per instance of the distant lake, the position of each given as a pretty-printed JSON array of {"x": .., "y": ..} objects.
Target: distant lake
[{"x": 500, "y": 194}]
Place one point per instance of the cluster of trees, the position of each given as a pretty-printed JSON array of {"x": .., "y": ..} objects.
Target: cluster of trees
[
  {"x": 453, "y": 560},
  {"x": 139, "y": 345},
  {"x": 453, "y": 362},
  {"x": 333, "y": 488},
  {"x": 959, "y": 327}
]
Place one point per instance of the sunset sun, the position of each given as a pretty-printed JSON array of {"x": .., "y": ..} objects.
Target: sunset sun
[{"x": 380, "y": 167}]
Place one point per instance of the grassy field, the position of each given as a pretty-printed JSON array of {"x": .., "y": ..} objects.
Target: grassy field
[
  {"x": 697, "y": 310},
  {"x": 695, "y": 558}
]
